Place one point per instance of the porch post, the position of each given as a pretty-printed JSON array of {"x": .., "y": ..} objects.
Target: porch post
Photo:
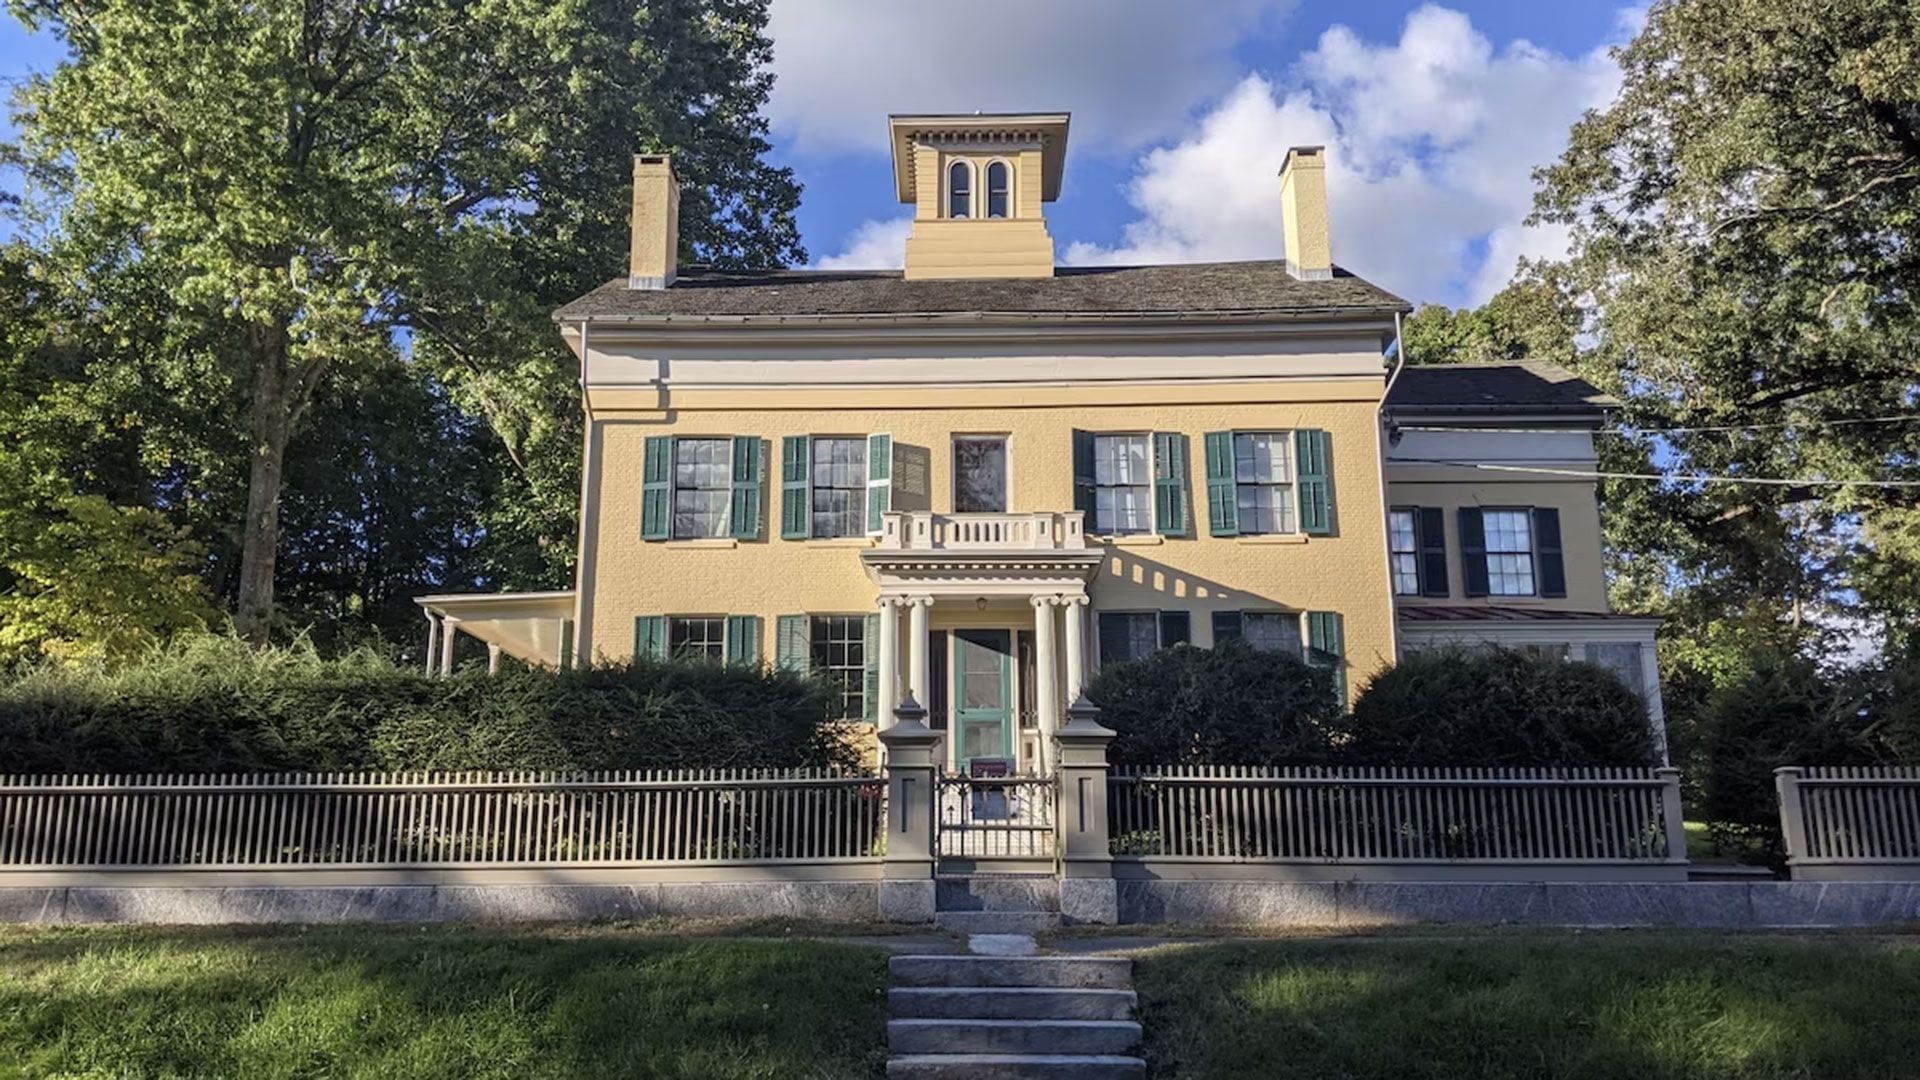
[
  {"x": 1046, "y": 693},
  {"x": 450, "y": 626},
  {"x": 917, "y": 646},
  {"x": 433, "y": 641},
  {"x": 906, "y": 883},
  {"x": 889, "y": 688},
  {"x": 1076, "y": 616},
  {"x": 1088, "y": 893},
  {"x": 493, "y": 658}
]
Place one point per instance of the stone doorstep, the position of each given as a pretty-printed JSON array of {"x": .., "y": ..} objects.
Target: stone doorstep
[
  {"x": 1089, "y": 972},
  {"x": 1009, "y": 1003},
  {"x": 998, "y": 922},
  {"x": 1016, "y": 1067},
  {"x": 1046, "y": 1037}
]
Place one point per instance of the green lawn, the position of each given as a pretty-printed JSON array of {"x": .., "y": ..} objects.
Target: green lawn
[
  {"x": 393, "y": 1003},
  {"x": 1644, "y": 1005}
]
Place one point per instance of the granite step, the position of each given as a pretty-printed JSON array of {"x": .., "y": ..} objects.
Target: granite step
[
  {"x": 1042, "y": 1037},
  {"x": 1016, "y": 1067},
  {"x": 1009, "y": 1003},
  {"x": 998, "y": 922},
  {"x": 997, "y": 892},
  {"x": 1088, "y": 972}
]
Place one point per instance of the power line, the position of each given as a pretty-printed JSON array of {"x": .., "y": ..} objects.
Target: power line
[
  {"x": 1678, "y": 478},
  {"x": 1896, "y": 418}
]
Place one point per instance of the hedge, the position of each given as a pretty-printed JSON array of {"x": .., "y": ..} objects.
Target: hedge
[
  {"x": 213, "y": 705},
  {"x": 1229, "y": 705}
]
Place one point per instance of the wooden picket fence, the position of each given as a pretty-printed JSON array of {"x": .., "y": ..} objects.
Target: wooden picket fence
[
  {"x": 1397, "y": 816},
  {"x": 439, "y": 820},
  {"x": 1851, "y": 822}
]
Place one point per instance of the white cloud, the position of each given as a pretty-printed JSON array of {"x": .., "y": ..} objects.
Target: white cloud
[
  {"x": 1431, "y": 143},
  {"x": 873, "y": 245},
  {"x": 1129, "y": 70}
]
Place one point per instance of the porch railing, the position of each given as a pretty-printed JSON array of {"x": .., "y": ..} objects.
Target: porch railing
[
  {"x": 921, "y": 530},
  {"x": 438, "y": 820},
  {"x": 1008, "y": 817},
  {"x": 1859, "y": 822},
  {"x": 1504, "y": 817}
]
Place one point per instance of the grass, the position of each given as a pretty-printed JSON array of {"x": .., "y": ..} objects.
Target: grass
[
  {"x": 1650, "y": 1006},
  {"x": 411, "y": 1003}
]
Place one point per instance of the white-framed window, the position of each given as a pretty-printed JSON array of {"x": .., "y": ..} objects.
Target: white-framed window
[
  {"x": 1623, "y": 659},
  {"x": 980, "y": 474},
  {"x": 1275, "y": 631},
  {"x": 1263, "y": 482},
  {"x": 999, "y": 190},
  {"x": 960, "y": 189},
  {"x": 838, "y": 646},
  {"x": 1134, "y": 635},
  {"x": 702, "y": 487},
  {"x": 1403, "y": 547},
  {"x": 1509, "y": 552},
  {"x": 696, "y": 636},
  {"x": 1122, "y": 484},
  {"x": 838, "y": 481}
]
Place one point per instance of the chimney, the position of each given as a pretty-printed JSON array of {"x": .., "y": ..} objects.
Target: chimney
[
  {"x": 654, "y": 257},
  {"x": 1303, "y": 212}
]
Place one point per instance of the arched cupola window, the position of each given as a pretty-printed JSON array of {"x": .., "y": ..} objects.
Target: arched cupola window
[
  {"x": 960, "y": 190},
  {"x": 999, "y": 190}
]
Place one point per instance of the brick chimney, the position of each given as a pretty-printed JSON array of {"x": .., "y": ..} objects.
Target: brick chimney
[
  {"x": 654, "y": 258},
  {"x": 1303, "y": 211}
]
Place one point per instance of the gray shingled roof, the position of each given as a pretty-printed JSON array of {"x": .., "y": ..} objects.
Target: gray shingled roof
[
  {"x": 1525, "y": 386},
  {"x": 1091, "y": 291}
]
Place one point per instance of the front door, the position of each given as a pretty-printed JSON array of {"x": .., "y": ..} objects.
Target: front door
[{"x": 983, "y": 696}]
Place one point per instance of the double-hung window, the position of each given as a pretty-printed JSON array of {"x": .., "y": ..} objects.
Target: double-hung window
[
  {"x": 696, "y": 637},
  {"x": 838, "y": 645},
  {"x": 1122, "y": 485},
  {"x": 1509, "y": 552},
  {"x": 1263, "y": 482},
  {"x": 1403, "y": 547},
  {"x": 702, "y": 487},
  {"x": 839, "y": 486},
  {"x": 1133, "y": 635}
]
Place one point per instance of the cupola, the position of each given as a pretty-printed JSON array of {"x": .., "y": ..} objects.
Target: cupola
[{"x": 977, "y": 184}]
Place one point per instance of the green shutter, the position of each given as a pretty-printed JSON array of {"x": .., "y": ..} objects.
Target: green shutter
[
  {"x": 1473, "y": 551},
  {"x": 796, "y": 491},
  {"x": 1547, "y": 552},
  {"x": 743, "y": 639},
  {"x": 871, "y": 681},
  {"x": 1314, "y": 476},
  {"x": 879, "y": 480},
  {"x": 1223, "y": 513},
  {"x": 792, "y": 643},
  {"x": 748, "y": 452},
  {"x": 566, "y": 645},
  {"x": 1430, "y": 536},
  {"x": 1327, "y": 645},
  {"x": 656, "y": 488},
  {"x": 1176, "y": 628},
  {"x": 1170, "y": 483},
  {"x": 1083, "y": 479},
  {"x": 1226, "y": 626},
  {"x": 650, "y": 637}
]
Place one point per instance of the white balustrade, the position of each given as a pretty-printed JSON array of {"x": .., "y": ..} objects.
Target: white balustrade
[{"x": 923, "y": 530}]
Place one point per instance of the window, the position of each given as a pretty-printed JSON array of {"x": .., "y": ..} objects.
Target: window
[
  {"x": 838, "y": 644},
  {"x": 839, "y": 485},
  {"x": 1403, "y": 548},
  {"x": 702, "y": 486},
  {"x": 1121, "y": 485},
  {"x": 1132, "y": 635},
  {"x": 959, "y": 190},
  {"x": 693, "y": 637},
  {"x": 999, "y": 189},
  {"x": 1274, "y": 631},
  {"x": 980, "y": 474},
  {"x": 1623, "y": 659},
  {"x": 1509, "y": 552},
  {"x": 1263, "y": 482},
  {"x": 1545, "y": 650}
]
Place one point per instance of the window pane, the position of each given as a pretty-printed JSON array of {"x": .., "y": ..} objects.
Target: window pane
[
  {"x": 702, "y": 486},
  {"x": 697, "y": 638},
  {"x": 1121, "y": 493},
  {"x": 979, "y": 476},
  {"x": 1127, "y": 635},
  {"x": 1621, "y": 658},
  {"x": 959, "y": 190},
  {"x": 839, "y": 486},
  {"x": 839, "y": 648},
  {"x": 1273, "y": 630},
  {"x": 1263, "y": 471},
  {"x": 1509, "y": 552},
  {"x": 998, "y": 189}
]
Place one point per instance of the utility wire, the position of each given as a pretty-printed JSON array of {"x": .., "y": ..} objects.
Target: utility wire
[
  {"x": 1899, "y": 418},
  {"x": 1678, "y": 478}
]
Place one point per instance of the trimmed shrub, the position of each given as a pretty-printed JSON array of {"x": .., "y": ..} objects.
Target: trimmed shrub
[
  {"x": 1489, "y": 708},
  {"x": 211, "y": 705},
  {"x": 1229, "y": 705}
]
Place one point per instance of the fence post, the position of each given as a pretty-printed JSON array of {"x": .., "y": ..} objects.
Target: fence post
[
  {"x": 1672, "y": 813},
  {"x": 1088, "y": 893},
  {"x": 1793, "y": 822},
  {"x": 906, "y": 885}
]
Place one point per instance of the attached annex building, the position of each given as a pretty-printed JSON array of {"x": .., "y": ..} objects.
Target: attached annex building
[{"x": 981, "y": 478}]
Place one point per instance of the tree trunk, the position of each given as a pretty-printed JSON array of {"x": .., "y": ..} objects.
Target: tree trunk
[{"x": 271, "y": 427}]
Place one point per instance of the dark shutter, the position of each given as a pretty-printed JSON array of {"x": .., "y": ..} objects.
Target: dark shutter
[
  {"x": 656, "y": 488},
  {"x": 1327, "y": 646},
  {"x": 937, "y": 679},
  {"x": 748, "y": 453},
  {"x": 1170, "y": 483},
  {"x": 793, "y": 642},
  {"x": 1083, "y": 475},
  {"x": 870, "y": 679},
  {"x": 650, "y": 637},
  {"x": 1430, "y": 536},
  {"x": 1226, "y": 626},
  {"x": 1176, "y": 628},
  {"x": 1313, "y": 470},
  {"x": 1547, "y": 553},
  {"x": 1223, "y": 512},
  {"x": 743, "y": 639},
  {"x": 796, "y": 496},
  {"x": 1473, "y": 550}
]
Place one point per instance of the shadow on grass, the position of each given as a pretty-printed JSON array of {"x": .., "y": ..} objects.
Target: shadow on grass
[
  {"x": 1647, "y": 1006},
  {"x": 362, "y": 1002}
]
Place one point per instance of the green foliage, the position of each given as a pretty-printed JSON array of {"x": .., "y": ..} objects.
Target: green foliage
[
  {"x": 1498, "y": 708},
  {"x": 210, "y": 704},
  {"x": 1534, "y": 318},
  {"x": 1232, "y": 705}
]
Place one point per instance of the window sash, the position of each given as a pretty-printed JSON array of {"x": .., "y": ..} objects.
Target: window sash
[
  {"x": 980, "y": 469},
  {"x": 1403, "y": 548},
  {"x": 1264, "y": 495},
  {"x": 1128, "y": 635},
  {"x": 1509, "y": 546},
  {"x": 959, "y": 190},
  {"x": 838, "y": 648},
  {"x": 1277, "y": 631},
  {"x": 838, "y": 473},
  {"x": 702, "y": 487},
  {"x": 999, "y": 189},
  {"x": 1122, "y": 484},
  {"x": 697, "y": 636}
]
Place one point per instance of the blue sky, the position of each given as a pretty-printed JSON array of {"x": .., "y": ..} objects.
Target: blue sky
[{"x": 1434, "y": 116}]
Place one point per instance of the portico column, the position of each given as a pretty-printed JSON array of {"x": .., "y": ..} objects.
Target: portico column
[
  {"x": 449, "y": 627},
  {"x": 1047, "y": 691},
  {"x": 433, "y": 642},
  {"x": 493, "y": 658},
  {"x": 917, "y": 615},
  {"x": 889, "y": 688},
  {"x": 1076, "y": 646}
]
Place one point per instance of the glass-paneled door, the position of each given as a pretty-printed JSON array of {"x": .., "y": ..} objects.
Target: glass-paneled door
[{"x": 982, "y": 696}]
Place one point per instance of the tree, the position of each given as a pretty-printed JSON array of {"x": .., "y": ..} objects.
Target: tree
[
  {"x": 1533, "y": 318},
  {"x": 326, "y": 183}
]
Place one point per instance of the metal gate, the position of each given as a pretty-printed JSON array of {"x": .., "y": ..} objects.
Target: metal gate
[{"x": 1001, "y": 819}]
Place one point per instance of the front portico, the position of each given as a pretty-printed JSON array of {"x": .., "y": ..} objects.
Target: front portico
[{"x": 994, "y": 614}]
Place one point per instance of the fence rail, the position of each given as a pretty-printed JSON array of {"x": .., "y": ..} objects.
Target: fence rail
[
  {"x": 1851, "y": 821},
  {"x": 1397, "y": 816},
  {"x": 441, "y": 820}
]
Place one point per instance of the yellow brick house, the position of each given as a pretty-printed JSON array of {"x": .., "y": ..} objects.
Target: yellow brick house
[{"x": 978, "y": 479}]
